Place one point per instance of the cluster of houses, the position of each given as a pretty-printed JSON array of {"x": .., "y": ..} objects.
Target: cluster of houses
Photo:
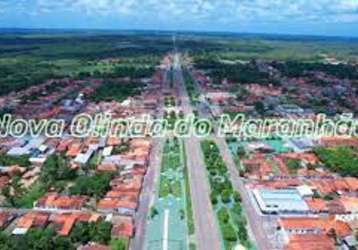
[
  {"x": 62, "y": 222},
  {"x": 123, "y": 198},
  {"x": 125, "y": 159},
  {"x": 314, "y": 208},
  {"x": 293, "y": 97},
  {"x": 60, "y": 98},
  {"x": 63, "y": 211}
]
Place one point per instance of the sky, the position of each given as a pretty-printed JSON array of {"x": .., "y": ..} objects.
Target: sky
[{"x": 311, "y": 17}]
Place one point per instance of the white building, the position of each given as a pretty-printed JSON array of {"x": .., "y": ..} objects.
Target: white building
[{"x": 282, "y": 201}]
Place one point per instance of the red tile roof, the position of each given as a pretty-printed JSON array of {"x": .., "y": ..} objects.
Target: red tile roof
[
  {"x": 107, "y": 168},
  {"x": 54, "y": 200},
  {"x": 323, "y": 186},
  {"x": 113, "y": 141},
  {"x": 352, "y": 183},
  {"x": 134, "y": 184},
  {"x": 317, "y": 205},
  {"x": 36, "y": 219},
  {"x": 123, "y": 229},
  {"x": 4, "y": 181},
  {"x": 341, "y": 228},
  {"x": 310, "y": 242},
  {"x": 308, "y": 157},
  {"x": 62, "y": 147},
  {"x": 74, "y": 149},
  {"x": 350, "y": 204},
  {"x": 4, "y": 218},
  {"x": 115, "y": 203},
  {"x": 257, "y": 166},
  {"x": 66, "y": 221},
  {"x": 340, "y": 185},
  {"x": 339, "y": 141}
]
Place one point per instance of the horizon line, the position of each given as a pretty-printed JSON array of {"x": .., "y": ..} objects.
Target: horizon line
[{"x": 277, "y": 34}]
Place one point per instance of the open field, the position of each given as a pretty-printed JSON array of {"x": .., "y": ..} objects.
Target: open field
[{"x": 45, "y": 55}]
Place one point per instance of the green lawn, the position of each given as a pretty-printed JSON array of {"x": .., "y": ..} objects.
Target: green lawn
[
  {"x": 171, "y": 172},
  {"x": 342, "y": 160}
]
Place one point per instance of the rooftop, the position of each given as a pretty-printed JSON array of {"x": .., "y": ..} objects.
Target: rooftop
[
  {"x": 282, "y": 200},
  {"x": 310, "y": 242},
  {"x": 57, "y": 201},
  {"x": 324, "y": 225}
]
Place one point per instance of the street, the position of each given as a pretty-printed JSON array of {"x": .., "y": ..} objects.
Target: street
[
  {"x": 206, "y": 231},
  {"x": 256, "y": 222},
  {"x": 149, "y": 187}
]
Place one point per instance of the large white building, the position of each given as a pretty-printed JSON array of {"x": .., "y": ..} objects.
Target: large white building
[{"x": 281, "y": 201}]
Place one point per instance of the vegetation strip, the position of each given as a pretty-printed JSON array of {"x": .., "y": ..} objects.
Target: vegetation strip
[
  {"x": 226, "y": 202},
  {"x": 190, "y": 87}
]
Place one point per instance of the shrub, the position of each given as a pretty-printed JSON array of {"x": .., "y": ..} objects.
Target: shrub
[
  {"x": 96, "y": 185},
  {"x": 237, "y": 197},
  {"x": 214, "y": 199},
  {"x": 229, "y": 233},
  {"x": 223, "y": 216},
  {"x": 237, "y": 209},
  {"x": 153, "y": 212},
  {"x": 242, "y": 233},
  {"x": 226, "y": 196}
]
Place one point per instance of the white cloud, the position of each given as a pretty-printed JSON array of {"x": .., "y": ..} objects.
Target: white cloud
[{"x": 205, "y": 10}]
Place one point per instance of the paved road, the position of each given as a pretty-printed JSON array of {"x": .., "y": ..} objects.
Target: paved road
[
  {"x": 147, "y": 195},
  {"x": 206, "y": 231},
  {"x": 256, "y": 222},
  {"x": 149, "y": 186}
]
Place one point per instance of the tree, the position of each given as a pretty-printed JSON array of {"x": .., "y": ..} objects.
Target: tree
[
  {"x": 17, "y": 186},
  {"x": 237, "y": 209},
  {"x": 214, "y": 199},
  {"x": 119, "y": 244},
  {"x": 8, "y": 160},
  {"x": 241, "y": 152},
  {"x": 226, "y": 196},
  {"x": 40, "y": 239},
  {"x": 101, "y": 232},
  {"x": 8, "y": 196},
  {"x": 293, "y": 165},
  {"x": 237, "y": 196},
  {"x": 55, "y": 169},
  {"x": 63, "y": 243},
  {"x": 80, "y": 233},
  {"x": 229, "y": 233},
  {"x": 113, "y": 90},
  {"x": 242, "y": 233},
  {"x": 223, "y": 215},
  {"x": 5, "y": 242},
  {"x": 153, "y": 212},
  {"x": 259, "y": 107},
  {"x": 339, "y": 159},
  {"x": 96, "y": 185}
]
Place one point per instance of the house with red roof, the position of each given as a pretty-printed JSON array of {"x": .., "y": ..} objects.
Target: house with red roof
[{"x": 55, "y": 201}]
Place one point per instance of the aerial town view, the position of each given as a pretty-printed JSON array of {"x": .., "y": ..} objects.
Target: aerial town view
[{"x": 179, "y": 125}]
